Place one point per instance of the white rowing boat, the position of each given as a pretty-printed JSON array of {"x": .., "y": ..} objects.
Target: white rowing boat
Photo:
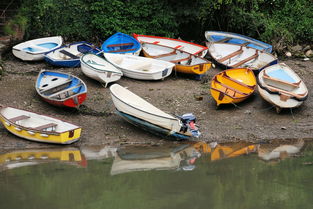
[
  {"x": 238, "y": 56},
  {"x": 37, "y": 127},
  {"x": 143, "y": 114},
  {"x": 141, "y": 68},
  {"x": 34, "y": 50},
  {"x": 99, "y": 69},
  {"x": 282, "y": 87}
]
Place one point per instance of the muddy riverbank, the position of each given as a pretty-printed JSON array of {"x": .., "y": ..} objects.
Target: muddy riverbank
[{"x": 253, "y": 120}]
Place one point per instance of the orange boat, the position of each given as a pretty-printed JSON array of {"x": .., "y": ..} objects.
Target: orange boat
[{"x": 233, "y": 85}]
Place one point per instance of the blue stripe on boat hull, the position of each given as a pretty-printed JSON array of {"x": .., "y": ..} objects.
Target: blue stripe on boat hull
[{"x": 151, "y": 127}]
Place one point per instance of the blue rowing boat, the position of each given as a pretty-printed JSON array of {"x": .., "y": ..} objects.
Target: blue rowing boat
[
  {"x": 121, "y": 43},
  {"x": 234, "y": 38},
  {"x": 69, "y": 55}
]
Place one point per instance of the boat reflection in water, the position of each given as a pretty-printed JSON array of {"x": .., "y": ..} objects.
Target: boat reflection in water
[
  {"x": 29, "y": 157},
  {"x": 280, "y": 150},
  {"x": 130, "y": 159},
  {"x": 274, "y": 150},
  {"x": 141, "y": 158},
  {"x": 98, "y": 152}
]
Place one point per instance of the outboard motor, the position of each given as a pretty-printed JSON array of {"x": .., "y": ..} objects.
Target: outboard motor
[{"x": 189, "y": 123}]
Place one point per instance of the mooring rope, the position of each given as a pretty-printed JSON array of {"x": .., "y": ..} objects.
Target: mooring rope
[{"x": 261, "y": 110}]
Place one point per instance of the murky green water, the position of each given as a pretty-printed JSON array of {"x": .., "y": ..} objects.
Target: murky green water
[{"x": 235, "y": 176}]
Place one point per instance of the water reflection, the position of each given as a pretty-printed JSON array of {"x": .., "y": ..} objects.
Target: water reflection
[
  {"x": 175, "y": 176},
  {"x": 141, "y": 158},
  {"x": 280, "y": 151},
  {"x": 19, "y": 158},
  {"x": 129, "y": 159}
]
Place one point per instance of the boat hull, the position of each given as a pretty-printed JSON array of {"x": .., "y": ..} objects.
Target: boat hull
[
  {"x": 71, "y": 102},
  {"x": 152, "y": 128},
  {"x": 151, "y": 117},
  {"x": 275, "y": 100}
]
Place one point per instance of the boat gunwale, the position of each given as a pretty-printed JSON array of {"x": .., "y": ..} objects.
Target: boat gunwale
[
  {"x": 266, "y": 46},
  {"x": 172, "y": 39},
  {"x": 40, "y": 52}
]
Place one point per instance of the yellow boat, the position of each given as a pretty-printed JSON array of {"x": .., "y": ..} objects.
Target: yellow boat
[
  {"x": 36, "y": 127},
  {"x": 233, "y": 85},
  {"x": 184, "y": 61},
  {"x": 196, "y": 65}
]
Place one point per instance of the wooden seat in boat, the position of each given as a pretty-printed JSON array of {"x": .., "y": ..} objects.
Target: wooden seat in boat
[
  {"x": 122, "y": 50},
  {"x": 229, "y": 87},
  {"x": 224, "y": 40},
  {"x": 292, "y": 85},
  {"x": 45, "y": 126},
  {"x": 181, "y": 60},
  {"x": 165, "y": 54},
  {"x": 55, "y": 85},
  {"x": 69, "y": 54},
  {"x": 38, "y": 47},
  {"x": 123, "y": 44},
  {"x": 224, "y": 75},
  {"x": 246, "y": 60},
  {"x": 231, "y": 55},
  {"x": 67, "y": 90},
  {"x": 18, "y": 118}
]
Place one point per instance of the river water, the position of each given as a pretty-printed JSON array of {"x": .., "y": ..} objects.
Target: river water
[{"x": 185, "y": 176}]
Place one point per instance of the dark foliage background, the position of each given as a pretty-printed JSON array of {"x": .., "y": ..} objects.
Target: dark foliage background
[{"x": 279, "y": 22}]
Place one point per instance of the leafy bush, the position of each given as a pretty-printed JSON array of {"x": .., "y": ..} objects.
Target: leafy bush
[
  {"x": 273, "y": 21},
  {"x": 68, "y": 18},
  {"x": 136, "y": 16}
]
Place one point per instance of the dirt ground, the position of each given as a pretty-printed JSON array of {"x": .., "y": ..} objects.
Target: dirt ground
[{"x": 252, "y": 120}]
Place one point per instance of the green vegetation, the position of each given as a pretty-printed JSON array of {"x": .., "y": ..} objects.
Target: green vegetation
[
  {"x": 276, "y": 21},
  {"x": 16, "y": 25}
]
